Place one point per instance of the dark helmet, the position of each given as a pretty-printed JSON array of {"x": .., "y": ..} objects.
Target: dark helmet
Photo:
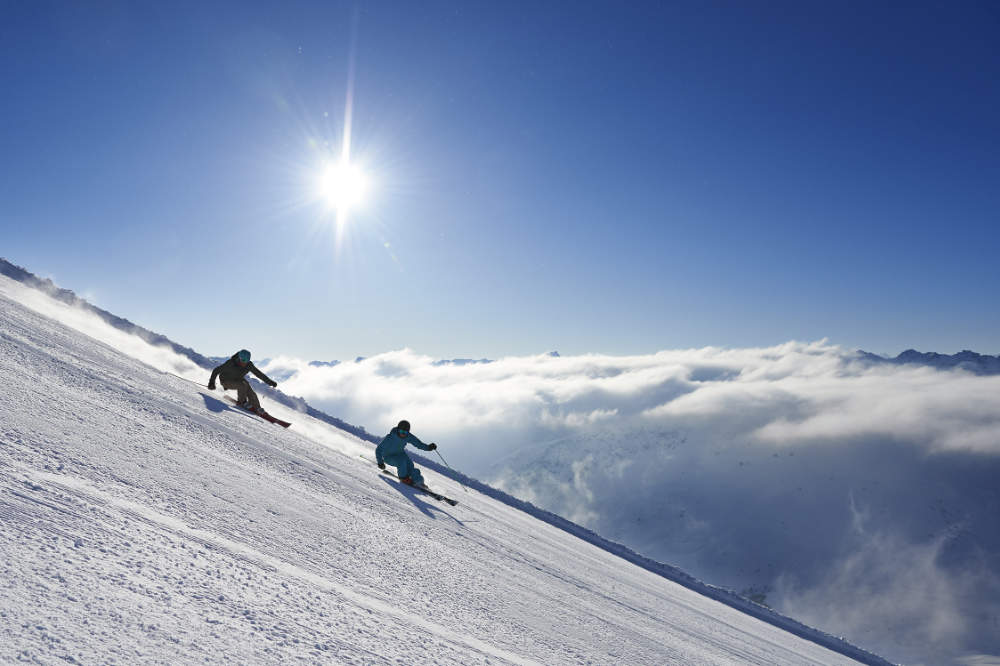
[
  {"x": 403, "y": 425},
  {"x": 243, "y": 356}
]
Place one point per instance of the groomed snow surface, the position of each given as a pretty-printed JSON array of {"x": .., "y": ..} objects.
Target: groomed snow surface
[{"x": 145, "y": 520}]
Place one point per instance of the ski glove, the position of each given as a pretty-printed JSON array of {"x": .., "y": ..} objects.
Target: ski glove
[
  {"x": 381, "y": 465},
  {"x": 272, "y": 384},
  {"x": 211, "y": 387},
  {"x": 431, "y": 446}
]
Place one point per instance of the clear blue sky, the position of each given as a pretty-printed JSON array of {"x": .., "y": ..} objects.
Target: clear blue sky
[{"x": 587, "y": 177}]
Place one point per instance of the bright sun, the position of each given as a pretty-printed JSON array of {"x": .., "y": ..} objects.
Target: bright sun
[{"x": 343, "y": 186}]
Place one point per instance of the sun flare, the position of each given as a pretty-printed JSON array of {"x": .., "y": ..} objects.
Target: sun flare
[{"x": 343, "y": 186}]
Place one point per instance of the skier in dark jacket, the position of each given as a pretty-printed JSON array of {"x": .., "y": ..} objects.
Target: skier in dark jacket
[
  {"x": 390, "y": 450},
  {"x": 232, "y": 374}
]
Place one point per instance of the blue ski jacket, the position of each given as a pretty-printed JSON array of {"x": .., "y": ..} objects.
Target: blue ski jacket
[{"x": 392, "y": 445}]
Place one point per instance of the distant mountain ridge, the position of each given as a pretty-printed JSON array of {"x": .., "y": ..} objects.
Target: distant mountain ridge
[
  {"x": 980, "y": 364},
  {"x": 970, "y": 361}
]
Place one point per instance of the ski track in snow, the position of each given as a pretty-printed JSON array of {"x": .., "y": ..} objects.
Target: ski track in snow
[{"x": 142, "y": 519}]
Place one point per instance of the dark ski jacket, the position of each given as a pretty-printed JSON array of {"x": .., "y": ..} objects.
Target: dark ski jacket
[
  {"x": 231, "y": 372},
  {"x": 392, "y": 445}
]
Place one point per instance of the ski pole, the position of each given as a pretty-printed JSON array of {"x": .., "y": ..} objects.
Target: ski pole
[
  {"x": 185, "y": 379},
  {"x": 449, "y": 467}
]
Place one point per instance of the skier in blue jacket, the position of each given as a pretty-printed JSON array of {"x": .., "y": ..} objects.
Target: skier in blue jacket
[{"x": 390, "y": 450}]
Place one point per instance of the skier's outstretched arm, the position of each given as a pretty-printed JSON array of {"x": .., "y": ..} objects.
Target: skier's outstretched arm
[
  {"x": 262, "y": 377},
  {"x": 412, "y": 439}
]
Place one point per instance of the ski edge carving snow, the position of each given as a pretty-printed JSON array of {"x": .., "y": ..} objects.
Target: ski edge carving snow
[
  {"x": 262, "y": 414},
  {"x": 424, "y": 489}
]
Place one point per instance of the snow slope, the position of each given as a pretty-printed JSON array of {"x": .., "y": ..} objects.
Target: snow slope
[{"x": 143, "y": 519}]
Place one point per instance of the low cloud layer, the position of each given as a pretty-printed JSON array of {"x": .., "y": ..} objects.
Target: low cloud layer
[
  {"x": 793, "y": 394},
  {"x": 789, "y": 472}
]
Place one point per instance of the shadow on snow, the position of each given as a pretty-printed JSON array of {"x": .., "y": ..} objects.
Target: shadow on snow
[{"x": 419, "y": 499}]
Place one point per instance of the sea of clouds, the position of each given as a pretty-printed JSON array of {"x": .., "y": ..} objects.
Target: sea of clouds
[{"x": 856, "y": 496}]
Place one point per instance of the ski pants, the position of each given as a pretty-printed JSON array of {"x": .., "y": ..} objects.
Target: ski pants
[
  {"x": 404, "y": 467},
  {"x": 243, "y": 391}
]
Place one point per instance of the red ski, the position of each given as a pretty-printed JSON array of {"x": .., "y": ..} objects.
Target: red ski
[{"x": 261, "y": 413}]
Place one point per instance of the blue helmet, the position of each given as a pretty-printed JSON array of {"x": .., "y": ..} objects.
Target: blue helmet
[{"x": 243, "y": 356}]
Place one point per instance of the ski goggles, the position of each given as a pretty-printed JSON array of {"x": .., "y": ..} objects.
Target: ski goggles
[{"x": 404, "y": 433}]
